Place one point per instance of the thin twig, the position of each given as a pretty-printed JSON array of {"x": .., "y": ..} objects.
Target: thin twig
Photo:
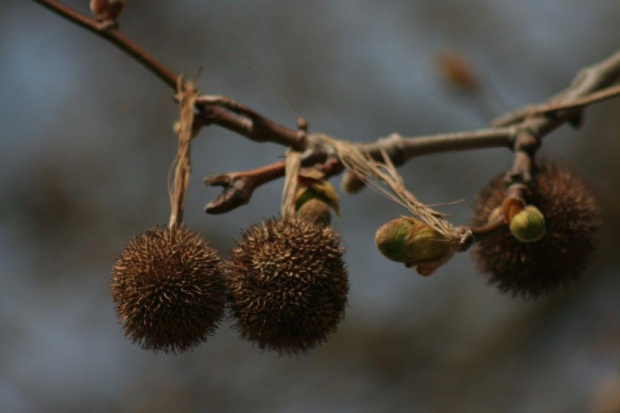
[
  {"x": 115, "y": 36},
  {"x": 257, "y": 128},
  {"x": 534, "y": 128},
  {"x": 587, "y": 81},
  {"x": 239, "y": 186},
  {"x": 550, "y": 108}
]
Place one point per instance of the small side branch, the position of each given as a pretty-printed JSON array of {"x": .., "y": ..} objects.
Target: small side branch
[
  {"x": 239, "y": 186},
  {"x": 589, "y": 86},
  {"x": 113, "y": 35},
  {"x": 551, "y": 108},
  {"x": 401, "y": 149},
  {"x": 582, "y": 92}
]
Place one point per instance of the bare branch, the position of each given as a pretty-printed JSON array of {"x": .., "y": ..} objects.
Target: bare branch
[
  {"x": 550, "y": 108},
  {"x": 522, "y": 130},
  {"x": 533, "y": 129},
  {"x": 401, "y": 149},
  {"x": 587, "y": 81},
  {"x": 114, "y": 35},
  {"x": 253, "y": 126},
  {"x": 239, "y": 186}
]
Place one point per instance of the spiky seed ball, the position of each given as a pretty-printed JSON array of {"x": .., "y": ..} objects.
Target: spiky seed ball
[
  {"x": 288, "y": 284},
  {"x": 169, "y": 289},
  {"x": 561, "y": 256}
]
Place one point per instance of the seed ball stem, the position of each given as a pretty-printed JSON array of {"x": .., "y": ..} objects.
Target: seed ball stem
[{"x": 511, "y": 207}]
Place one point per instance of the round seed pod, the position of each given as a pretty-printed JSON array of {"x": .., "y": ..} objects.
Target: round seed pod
[
  {"x": 559, "y": 257},
  {"x": 288, "y": 284},
  {"x": 169, "y": 290}
]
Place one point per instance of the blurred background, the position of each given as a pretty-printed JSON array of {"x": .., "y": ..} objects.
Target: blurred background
[{"x": 86, "y": 143}]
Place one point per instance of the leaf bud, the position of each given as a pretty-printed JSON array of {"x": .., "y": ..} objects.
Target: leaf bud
[
  {"x": 415, "y": 244},
  {"x": 315, "y": 210},
  {"x": 391, "y": 238},
  {"x": 528, "y": 225},
  {"x": 107, "y": 10}
]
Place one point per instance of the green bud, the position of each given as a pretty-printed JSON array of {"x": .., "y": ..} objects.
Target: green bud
[
  {"x": 415, "y": 244},
  {"x": 528, "y": 225},
  {"x": 315, "y": 210},
  {"x": 390, "y": 239},
  {"x": 424, "y": 244},
  {"x": 304, "y": 197},
  {"x": 321, "y": 190},
  {"x": 410, "y": 241}
]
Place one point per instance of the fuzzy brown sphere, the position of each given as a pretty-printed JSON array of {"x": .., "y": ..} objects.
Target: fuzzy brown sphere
[
  {"x": 168, "y": 289},
  {"x": 288, "y": 284},
  {"x": 561, "y": 256}
]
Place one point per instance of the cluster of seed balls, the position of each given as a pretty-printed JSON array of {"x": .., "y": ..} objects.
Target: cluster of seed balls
[{"x": 286, "y": 286}]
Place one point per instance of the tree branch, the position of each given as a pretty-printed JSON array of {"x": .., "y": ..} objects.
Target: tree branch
[
  {"x": 582, "y": 92},
  {"x": 587, "y": 81},
  {"x": 550, "y": 107},
  {"x": 401, "y": 149},
  {"x": 251, "y": 124},
  {"x": 255, "y": 126},
  {"x": 522, "y": 130},
  {"x": 529, "y": 126},
  {"x": 239, "y": 186}
]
